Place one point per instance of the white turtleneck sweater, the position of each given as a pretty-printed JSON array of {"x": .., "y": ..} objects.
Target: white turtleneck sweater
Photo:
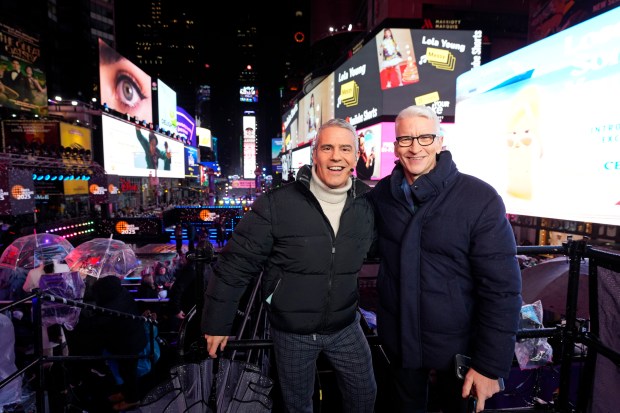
[{"x": 331, "y": 200}]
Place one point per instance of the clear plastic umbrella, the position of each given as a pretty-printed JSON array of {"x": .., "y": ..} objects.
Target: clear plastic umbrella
[
  {"x": 102, "y": 257},
  {"x": 30, "y": 251}
]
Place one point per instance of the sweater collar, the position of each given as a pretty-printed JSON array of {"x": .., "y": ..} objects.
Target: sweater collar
[{"x": 327, "y": 194}]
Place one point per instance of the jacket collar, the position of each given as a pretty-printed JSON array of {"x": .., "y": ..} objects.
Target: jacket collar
[{"x": 428, "y": 185}]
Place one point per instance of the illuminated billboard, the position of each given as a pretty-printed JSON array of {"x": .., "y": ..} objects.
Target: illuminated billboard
[
  {"x": 403, "y": 67},
  {"x": 75, "y": 137},
  {"x": 130, "y": 150},
  {"x": 248, "y": 94},
  {"x": 166, "y": 107},
  {"x": 541, "y": 124},
  {"x": 23, "y": 84},
  {"x": 249, "y": 146},
  {"x": 289, "y": 129},
  {"x": 314, "y": 109},
  {"x": 203, "y": 136},
  {"x": 192, "y": 167},
  {"x": 124, "y": 86},
  {"x": 186, "y": 126}
]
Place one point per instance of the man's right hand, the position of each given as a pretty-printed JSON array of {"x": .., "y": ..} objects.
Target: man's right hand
[{"x": 215, "y": 342}]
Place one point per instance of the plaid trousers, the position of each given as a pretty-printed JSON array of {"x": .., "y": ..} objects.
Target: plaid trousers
[{"x": 347, "y": 351}]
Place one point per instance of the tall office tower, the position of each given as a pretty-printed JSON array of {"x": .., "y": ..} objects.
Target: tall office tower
[
  {"x": 163, "y": 37},
  {"x": 68, "y": 32}
]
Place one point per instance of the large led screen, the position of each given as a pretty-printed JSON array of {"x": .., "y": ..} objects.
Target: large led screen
[
  {"x": 316, "y": 108},
  {"x": 186, "y": 126},
  {"x": 23, "y": 84},
  {"x": 370, "y": 158},
  {"x": 166, "y": 107},
  {"x": 124, "y": 86},
  {"x": 403, "y": 67},
  {"x": 289, "y": 129},
  {"x": 130, "y": 150},
  {"x": 542, "y": 124},
  {"x": 300, "y": 157},
  {"x": 192, "y": 166},
  {"x": 249, "y": 146}
]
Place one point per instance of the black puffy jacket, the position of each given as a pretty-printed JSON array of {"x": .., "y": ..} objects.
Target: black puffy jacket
[{"x": 310, "y": 275}]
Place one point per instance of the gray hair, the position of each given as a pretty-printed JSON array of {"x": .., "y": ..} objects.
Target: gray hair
[
  {"x": 337, "y": 123},
  {"x": 416, "y": 111}
]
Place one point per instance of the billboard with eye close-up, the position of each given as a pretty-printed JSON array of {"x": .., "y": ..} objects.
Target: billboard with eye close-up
[{"x": 124, "y": 86}]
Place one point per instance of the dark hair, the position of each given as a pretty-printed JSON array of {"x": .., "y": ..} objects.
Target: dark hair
[
  {"x": 48, "y": 267},
  {"x": 152, "y": 137}
]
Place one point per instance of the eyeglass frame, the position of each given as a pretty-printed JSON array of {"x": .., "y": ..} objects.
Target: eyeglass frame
[{"x": 417, "y": 138}]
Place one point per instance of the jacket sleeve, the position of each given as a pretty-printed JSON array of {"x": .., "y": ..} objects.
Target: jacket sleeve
[
  {"x": 497, "y": 277},
  {"x": 240, "y": 261}
]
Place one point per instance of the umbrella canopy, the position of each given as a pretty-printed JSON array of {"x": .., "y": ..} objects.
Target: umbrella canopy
[
  {"x": 30, "y": 251},
  {"x": 548, "y": 282},
  {"x": 101, "y": 257}
]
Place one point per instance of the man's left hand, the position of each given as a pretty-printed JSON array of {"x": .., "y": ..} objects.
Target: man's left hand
[{"x": 479, "y": 386}]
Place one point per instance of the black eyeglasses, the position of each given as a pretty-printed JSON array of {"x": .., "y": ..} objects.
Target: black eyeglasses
[{"x": 423, "y": 140}]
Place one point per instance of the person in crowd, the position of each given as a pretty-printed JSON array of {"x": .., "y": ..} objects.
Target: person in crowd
[
  {"x": 310, "y": 255},
  {"x": 366, "y": 162},
  {"x": 97, "y": 332},
  {"x": 449, "y": 282},
  {"x": 220, "y": 231},
  {"x": 147, "y": 287},
  {"x": 178, "y": 238},
  {"x": 163, "y": 276},
  {"x": 52, "y": 335}
]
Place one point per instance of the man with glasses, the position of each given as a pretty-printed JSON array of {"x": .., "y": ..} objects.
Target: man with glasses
[{"x": 449, "y": 281}]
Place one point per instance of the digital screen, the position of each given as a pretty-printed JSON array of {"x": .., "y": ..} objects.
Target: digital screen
[
  {"x": 370, "y": 158},
  {"x": 403, "y": 67},
  {"x": 315, "y": 108},
  {"x": 124, "y": 86},
  {"x": 249, "y": 146},
  {"x": 186, "y": 126},
  {"x": 192, "y": 167},
  {"x": 203, "y": 136},
  {"x": 248, "y": 94},
  {"x": 541, "y": 124},
  {"x": 130, "y": 150},
  {"x": 166, "y": 107},
  {"x": 289, "y": 129},
  {"x": 300, "y": 157},
  {"x": 23, "y": 83}
]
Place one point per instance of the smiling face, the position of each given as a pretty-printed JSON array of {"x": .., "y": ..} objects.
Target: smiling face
[
  {"x": 335, "y": 155},
  {"x": 417, "y": 160}
]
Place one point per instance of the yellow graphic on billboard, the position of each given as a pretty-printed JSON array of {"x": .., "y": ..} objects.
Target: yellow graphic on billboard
[
  {"x": 426, "y": 99},
  {"x": 441, "y": 59},
  {"x": 349, "y": 93}
]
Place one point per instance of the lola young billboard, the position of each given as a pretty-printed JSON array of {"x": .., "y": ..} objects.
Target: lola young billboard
[{"x": 403, "y": 67}]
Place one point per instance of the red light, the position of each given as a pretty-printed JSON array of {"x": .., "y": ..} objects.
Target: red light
[{"x": 299, "y": 37}]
